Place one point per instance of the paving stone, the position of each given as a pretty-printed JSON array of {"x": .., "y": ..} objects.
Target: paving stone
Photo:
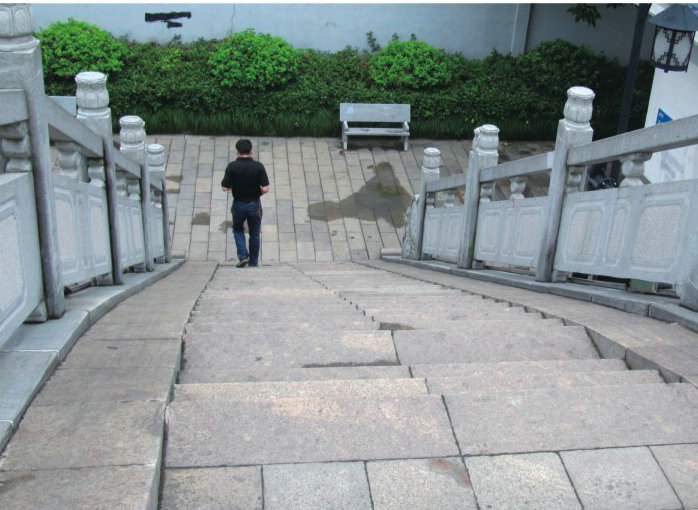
[
  {"x": 100, "y": 488},
  {"x": 680, "y": 465},
  {"x": 340, "y": 485},
  {"x": 55, "y": 335},
  {"x": 130, "y": 331},
  {"x": 87, "y": 435},
  {"x": 486, "y": 370},
  {"x": 74, "y": 386},
  {"x": 300, "y": 389},
  {"x": 449, "y": 385},
  {"x": 192, "y": 375},
  {"x": 163, "y": 353},
  {"x": 574, "y": 418},
  {"x": 307, "y": 430},
  {"x": 420, "y": 484},
  {"x": 514, "y": 482},
  {"x": 673, "y": 361},
  {"x": 21, "y": 376},
  {"x": 230, "y": 488},
  {"x": 5, "y": 432},
  {"x": 290, "y": 349},
  {"x": 619, "y": 478},
  {"x": 505, "y": 344}
]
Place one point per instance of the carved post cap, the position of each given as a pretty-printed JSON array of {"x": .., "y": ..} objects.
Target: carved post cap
[
  {"x": 16, "y": 26},
  {"x": 432, "y": 158},
  {"x": 155, "y": 159},
  {"x": 486, "y": 138},
  {"x": 92, "y": 93},
  {"x": 578, "y": 108},
  {"x": 132, "y": 129}
]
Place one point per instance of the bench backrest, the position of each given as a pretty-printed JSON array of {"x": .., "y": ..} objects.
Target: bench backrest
[{"x": 368, "y": 112}]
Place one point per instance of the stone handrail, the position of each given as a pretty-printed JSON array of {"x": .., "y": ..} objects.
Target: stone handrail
[{"x": 638, "y": 231}]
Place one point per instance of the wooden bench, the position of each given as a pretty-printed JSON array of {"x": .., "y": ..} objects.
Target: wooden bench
[{"x": 383, "y": 113}]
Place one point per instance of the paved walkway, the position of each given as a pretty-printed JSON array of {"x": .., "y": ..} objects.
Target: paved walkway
[{"x": 324, "y": 204}]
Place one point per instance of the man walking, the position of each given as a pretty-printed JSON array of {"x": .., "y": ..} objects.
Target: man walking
[{"x": 248, "y": 181}]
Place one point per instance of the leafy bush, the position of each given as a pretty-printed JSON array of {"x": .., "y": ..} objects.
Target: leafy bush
[
  {"x": 256, "y": 61},
  {"x": 413, "y": 64},
  {"x": 71, "y": 47}
]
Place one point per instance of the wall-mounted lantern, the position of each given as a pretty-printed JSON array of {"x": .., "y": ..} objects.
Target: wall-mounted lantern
[{"x": 673, "y": 38}]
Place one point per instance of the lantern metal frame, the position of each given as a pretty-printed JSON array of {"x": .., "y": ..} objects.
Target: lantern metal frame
[{"x": 673, "y": 25}]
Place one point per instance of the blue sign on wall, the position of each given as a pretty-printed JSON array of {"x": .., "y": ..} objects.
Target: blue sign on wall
[{"x": 662, "y": 117}]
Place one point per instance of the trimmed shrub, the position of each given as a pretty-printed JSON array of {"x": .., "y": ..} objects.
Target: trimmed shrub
[
  {"x": 412, "y": 64},
  {"x": 71, "y": 47},
  {"x": 255, "y": 61}
]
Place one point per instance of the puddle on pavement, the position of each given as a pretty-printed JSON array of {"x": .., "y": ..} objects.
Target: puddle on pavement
[
  {"x": 394, "y": 326},
  {"x": 382, "y": 195},
  {"x": 201, "y": 218},
  {"x": 224, "y": 226}
]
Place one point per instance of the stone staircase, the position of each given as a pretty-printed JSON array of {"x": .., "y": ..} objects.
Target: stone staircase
[{"x": 337, "y": 385}]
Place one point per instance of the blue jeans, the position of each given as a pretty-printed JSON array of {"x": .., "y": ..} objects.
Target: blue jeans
[{"x": 252, "y": 213}]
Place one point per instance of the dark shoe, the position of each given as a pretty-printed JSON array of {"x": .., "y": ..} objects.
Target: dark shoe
[{"x": 243, "y": 262}]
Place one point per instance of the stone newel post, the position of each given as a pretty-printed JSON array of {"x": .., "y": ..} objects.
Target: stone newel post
[
  {"x": 430, "y": 172},
  {"x": 573, "y": 130},
  {"x": 484, "y": 154},
  {"x": 155, "y": 163},
  {"x": 20, "y": 62}
]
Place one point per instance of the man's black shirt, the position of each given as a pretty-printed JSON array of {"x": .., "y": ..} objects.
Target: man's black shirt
[{"x": 244, "y": 177}]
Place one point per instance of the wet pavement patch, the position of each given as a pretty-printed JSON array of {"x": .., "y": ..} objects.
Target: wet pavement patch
[
  {"x": 225, "y": 226},
  {"x": 381, "y": 197},
  {"x": 201, "y": 218}
]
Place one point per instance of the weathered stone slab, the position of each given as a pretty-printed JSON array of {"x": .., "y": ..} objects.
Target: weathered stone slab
[
  {"x": 163, "y": 353},
  {"x": 290, "y": 349},
  {"x": 301, "y": 389},
  {"x": 449, "y": 385},
  {"x": 228, "y": 325},
  {"x": 236, "y": 488},
  {"x": 420, "y": 484},
  {"x": 673, "y": 361},
  {"x": 339, "y": 485},
  {"x": 21, "y": 376},
  {"x": 103, "y": 488},
  {"x": 505, "y": 344},
  {"x": 87, "y": 435},
  {"x": 78, "y": 385},
  {"x": 486, "y": 370},
  {"x": 531, "y": 481},
  {"x": 307, "y": 430},
  {"x": 680, "y": 465},
  {"x": 5, "y": 433},
  {"x": 619, "y": 478},
  {"x": 55, "y": 335},
  {"x": 574, "y": 418},
  {"x": 131, "y": 331},
  {"x": 254, "y": 374}
]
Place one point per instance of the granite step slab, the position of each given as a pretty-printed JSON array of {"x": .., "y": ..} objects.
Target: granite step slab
[
  {"x": 256, "y": 374},
  {"x": 307, "y": 430},
  {"x": 513, "y": 368},
  {"x": 556, "y": 419},
  {"x": 289, "y": 350},
  {"x": 467, "y": 346},
  {"x": 248, "y": 391},
  {"x": 451, "y": 385},
  {"x": 226, "y": 325}
]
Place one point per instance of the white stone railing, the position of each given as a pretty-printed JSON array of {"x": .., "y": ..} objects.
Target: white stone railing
[
  {"x": 101, "y": 213},
  {"x": 637, "y": 231}
]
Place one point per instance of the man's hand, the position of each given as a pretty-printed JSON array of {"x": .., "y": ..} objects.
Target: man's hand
[
  {"x": 225, "y": 189},
  {"x": 265, "y": 189}
]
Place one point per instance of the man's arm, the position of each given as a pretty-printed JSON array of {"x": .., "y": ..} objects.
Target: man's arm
[{"x": 265, "y": 189}]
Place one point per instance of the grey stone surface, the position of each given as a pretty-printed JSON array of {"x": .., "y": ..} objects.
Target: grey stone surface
[
  {"x": 680, "y": 465},
  {"x": 192, "y": 375},
  {"x": 21, "y": 376},
  {"x": 289, "y": 349},
  {"x": 512, "y": 482},
  {"x": 485, "y": 370},
  {"x": 5, "y": 432},
  {"x": 131, "y": 330},
  {"x": 79, "y": 385},
  {"x": 56, "y": 335},
  {"x": 506, "y": 344},
  {"x": 103, "y": 488},
  {"x": 417, "y": 484},
  {"x": 674, "y": 361},
  {"x": 619, "y": 478},
  {"x": 574, "y": 418},
  {"x": 301, "y": 389},
  {"x": 230, "y": 488},
  {"x": 674, "y": 313},
  {"x": 87, "y": 435},
  {"x": 449, "y": 385},
  {"x": 307, "y": 430},
  {"x": 164, "y": 353},
  {"x": 339, "y": 485}
]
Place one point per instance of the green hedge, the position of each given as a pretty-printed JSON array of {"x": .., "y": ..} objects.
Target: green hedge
[{"x": 181, "y": 88}]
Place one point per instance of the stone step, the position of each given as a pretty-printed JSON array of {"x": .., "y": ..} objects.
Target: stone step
[
  {"x": 555, "y": 419},
  {"x": 227, "y": 325},
  {"x": 275, "y": 310},
  {"x": 505, "y": 382},
  {"x": 254, "y": 374},
  {"x": 337, "y": 388},
  {"x": 497, "y": 369},
  {"x": 472, "y": 308},
  {"x": 433, "y": 321},
  {"x": 490, "y": 342},
  {"x": 288, "y": 349},
  {"x": 307, "y": 430}
]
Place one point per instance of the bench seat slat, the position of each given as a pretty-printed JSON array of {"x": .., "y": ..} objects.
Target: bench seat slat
[
  {"x": 369, "y": 112},
  {"x": 366, "y": 131}
]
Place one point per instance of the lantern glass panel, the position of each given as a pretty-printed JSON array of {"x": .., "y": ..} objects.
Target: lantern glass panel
[{"x": 678, "y": 59}]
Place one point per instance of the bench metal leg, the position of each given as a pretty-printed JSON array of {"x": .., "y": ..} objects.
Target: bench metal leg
[{"x": 405, "y": 143}]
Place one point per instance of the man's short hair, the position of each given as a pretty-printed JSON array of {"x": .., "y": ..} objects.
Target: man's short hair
[{"x": 243, "y": 146}]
